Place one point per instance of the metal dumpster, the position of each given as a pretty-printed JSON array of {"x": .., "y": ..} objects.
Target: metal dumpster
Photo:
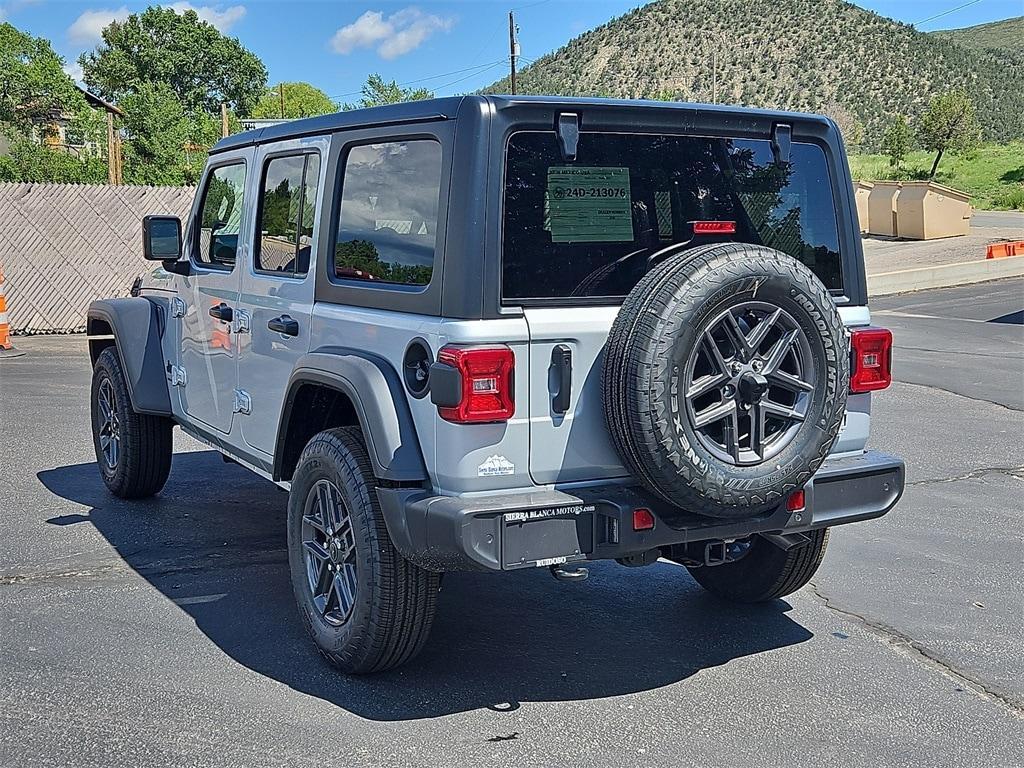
[
  {"x": 926, "y": 210},
  {"x": 861, "y": 190},
  {"x": 882, "y": 208}
]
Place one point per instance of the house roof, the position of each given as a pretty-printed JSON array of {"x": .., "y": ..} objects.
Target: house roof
[{"x": 98, "y": 103}]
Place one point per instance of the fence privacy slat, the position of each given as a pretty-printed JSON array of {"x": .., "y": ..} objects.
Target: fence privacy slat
[{"x": 64, "y": 245}]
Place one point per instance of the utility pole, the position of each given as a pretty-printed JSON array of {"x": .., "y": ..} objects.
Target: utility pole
[
  {"x": 513, "y": 50},
  {"x": 280, "y": 90},
  {"x": 714, "y": 76},
  {"x": 224, "y": 119}
]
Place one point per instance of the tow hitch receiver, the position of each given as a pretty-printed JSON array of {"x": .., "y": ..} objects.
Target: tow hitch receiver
[
  {"x": 573, "y": 574},
  {"x": 716, "y": 553}
]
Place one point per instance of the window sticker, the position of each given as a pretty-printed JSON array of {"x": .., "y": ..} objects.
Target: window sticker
[{"x": 587, "y": 205}]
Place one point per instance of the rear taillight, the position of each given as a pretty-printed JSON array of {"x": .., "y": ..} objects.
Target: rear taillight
[
  {"x": 870, "y": 359},
  {"x": 486, "y": 375}
]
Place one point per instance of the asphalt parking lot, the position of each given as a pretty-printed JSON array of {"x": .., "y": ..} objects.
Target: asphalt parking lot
[{"x": 163, "y": 633}]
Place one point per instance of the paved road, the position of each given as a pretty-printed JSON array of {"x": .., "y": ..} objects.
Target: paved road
[
  {"x": 999, "y": 219},
  {"x": 162, "y": 633}
]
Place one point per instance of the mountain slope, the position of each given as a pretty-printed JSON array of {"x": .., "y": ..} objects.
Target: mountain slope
[
  {"x": 1006, "y": 35},
  {"x": 795, "y": 54}
]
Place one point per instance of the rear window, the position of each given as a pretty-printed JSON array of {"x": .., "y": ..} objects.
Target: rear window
[{"x": 589, "y": 228}]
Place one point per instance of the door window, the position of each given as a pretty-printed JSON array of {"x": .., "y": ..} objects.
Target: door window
[
  {"x": 287, "y": 209},
  {"x": 387, "y": 225},
  {"x": 220, "y": 217}
]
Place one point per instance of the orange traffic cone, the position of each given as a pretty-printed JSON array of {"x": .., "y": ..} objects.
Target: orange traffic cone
[{"x": 6, "y": 348}]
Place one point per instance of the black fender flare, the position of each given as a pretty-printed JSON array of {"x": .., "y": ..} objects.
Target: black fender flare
[
  {"x": 137, "y": 326},
  {"x": 376, "y": 392}
]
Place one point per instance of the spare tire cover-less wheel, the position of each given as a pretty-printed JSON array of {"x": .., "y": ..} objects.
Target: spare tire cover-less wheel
[{"x": 725, "y": 379}]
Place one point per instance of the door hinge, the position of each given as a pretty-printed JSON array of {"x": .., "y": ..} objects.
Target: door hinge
[
  {"x": 243, "y": 403},
  {"x": 177, "y": 307},
  {"x": 177, "y": 375},
  {"x": 242, "y": 324}
]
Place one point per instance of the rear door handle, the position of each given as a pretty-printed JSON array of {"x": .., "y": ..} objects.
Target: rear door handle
[
  {"x": 285, "y": 325},
  {"x": 561, "y": 364},
  {"x": 222, "y": 312}
]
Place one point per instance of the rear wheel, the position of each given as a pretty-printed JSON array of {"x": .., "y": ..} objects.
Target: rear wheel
[
  {"x": 133, "y": 450},
  {"x": 764, "y": 572},
  {"x": 365, "y": 606}
]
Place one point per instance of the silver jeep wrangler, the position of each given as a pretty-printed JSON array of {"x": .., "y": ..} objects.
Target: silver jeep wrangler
[{"x": 492, "y": 333}]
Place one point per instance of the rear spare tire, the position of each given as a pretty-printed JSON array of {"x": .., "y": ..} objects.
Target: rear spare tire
[{"x": 725, "y": 379}]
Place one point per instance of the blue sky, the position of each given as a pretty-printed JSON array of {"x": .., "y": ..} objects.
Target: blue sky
[{"x": 449, "y": 47}]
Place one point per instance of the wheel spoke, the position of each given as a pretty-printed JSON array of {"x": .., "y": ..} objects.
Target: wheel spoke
[
  {"x": 757, "y": 417},
  {"x": 715, "y": 413},
  {"x": 779, "y": 351},
  {"x": 324, "y": 504},
  {"x": 760, "y": 333},
  {"x": 731, "y": 435},
  {"x": 344, "y": 587},
  {"x": 317, "y": 550},
  {"x": 711, "y": 348},
  {"x": 314, "y": 522},
  {"x": 739, "y": 338},
  {"x": 781, "y": 411},
  {"x": 790, "y": 382},
  {"x": 705, "y": 384}
]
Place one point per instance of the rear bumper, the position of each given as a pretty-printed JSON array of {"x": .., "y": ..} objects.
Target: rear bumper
[{"x": 534, "y": 529}]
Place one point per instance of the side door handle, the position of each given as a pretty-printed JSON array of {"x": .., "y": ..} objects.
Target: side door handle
[
  {"x": 561, "y": 365},
  {"x": 222, "y": 312},
  {"x": 285, "y": 325}
]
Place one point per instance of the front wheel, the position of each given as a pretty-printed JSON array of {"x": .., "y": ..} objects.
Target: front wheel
[
  {"x": 366, "y": 607},
  {"x": 133, "y": 450},
  {"x": 764, "y": 572}
]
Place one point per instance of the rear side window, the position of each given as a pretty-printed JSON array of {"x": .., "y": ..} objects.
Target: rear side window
[
  {"x": 287, "y": 209},
  {"x": 387, "y": 225},
  {"x": 588, "y": 228},
  {"x": 220, "y": 217}
]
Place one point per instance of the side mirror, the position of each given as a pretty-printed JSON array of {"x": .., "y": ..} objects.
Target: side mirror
[{"x": 161, "y": 238}]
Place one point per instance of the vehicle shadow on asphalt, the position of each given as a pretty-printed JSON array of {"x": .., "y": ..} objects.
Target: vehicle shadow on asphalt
[{"x": 214, "y": 543}]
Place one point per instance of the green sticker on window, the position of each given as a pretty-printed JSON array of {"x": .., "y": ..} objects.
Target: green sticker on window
[{"x": 589, "y": 205}]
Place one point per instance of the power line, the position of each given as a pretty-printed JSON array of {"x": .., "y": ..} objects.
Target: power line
[
  {"x": 467, "y": 77},
  {"x": 946, "y": 13},
  {"x": 480, "y": 67}
]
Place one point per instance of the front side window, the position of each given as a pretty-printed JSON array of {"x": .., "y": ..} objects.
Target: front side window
[
  {"x": 220, "y": 217},
  {"x": 387, "y": 224},
  {"x": 592, "y": 227},
  {"x": 287, "y": 209}
]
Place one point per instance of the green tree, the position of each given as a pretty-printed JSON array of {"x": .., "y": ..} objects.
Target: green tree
[
  {"x": 949, "y": 125},
  {"x": 201, "y": 66},
  {"x": 158, "y": 133},
  {"x": 896, "y": 141},
  {"x": 300, "y": 100},
  {"x": 33, "y": 86},
  {"x": 29, "y": 161},
  {"x": 377, "y": 92}
]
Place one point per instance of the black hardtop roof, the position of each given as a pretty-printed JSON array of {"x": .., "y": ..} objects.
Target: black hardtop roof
[{"x": 446, "y": 108}]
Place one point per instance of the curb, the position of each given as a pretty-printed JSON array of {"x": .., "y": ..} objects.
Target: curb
[{"x": 944, "y": 276}]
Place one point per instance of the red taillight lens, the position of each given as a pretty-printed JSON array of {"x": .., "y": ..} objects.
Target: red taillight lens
[
  {"x": 870, "y": 359},
  {"x": 797, "y": 501},
  {"x": 487, "y": 375},
  {"x": 643, "y": 519},
  {"x": 714, "y": 227}
]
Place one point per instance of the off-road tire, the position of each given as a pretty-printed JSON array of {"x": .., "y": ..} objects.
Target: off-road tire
[
  {"x": 766, "y": 572},
  {"x": 395, "y": 600},
  {"x": 664, "y": 314},
  {"x": 145, "y": 441}
]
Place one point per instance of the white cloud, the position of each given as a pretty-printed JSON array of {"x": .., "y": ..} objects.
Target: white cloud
[
  {"x": 73, "y": 70},
  {"x": 87, "y": 29},
  {"x": 222, "y": 20},
  {"x": 392, "y": 35}
]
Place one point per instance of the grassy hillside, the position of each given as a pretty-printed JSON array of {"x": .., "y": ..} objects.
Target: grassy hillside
[
  {"x": 1007, "y": 35},
  {"x": 993, "y": 175},
  {"x": 796, "y": 54}
]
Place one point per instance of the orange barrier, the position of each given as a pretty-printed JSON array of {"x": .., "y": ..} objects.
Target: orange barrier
[
  {"x": 1002, "y": 250},
  {"x": 6, "y": 347}
]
